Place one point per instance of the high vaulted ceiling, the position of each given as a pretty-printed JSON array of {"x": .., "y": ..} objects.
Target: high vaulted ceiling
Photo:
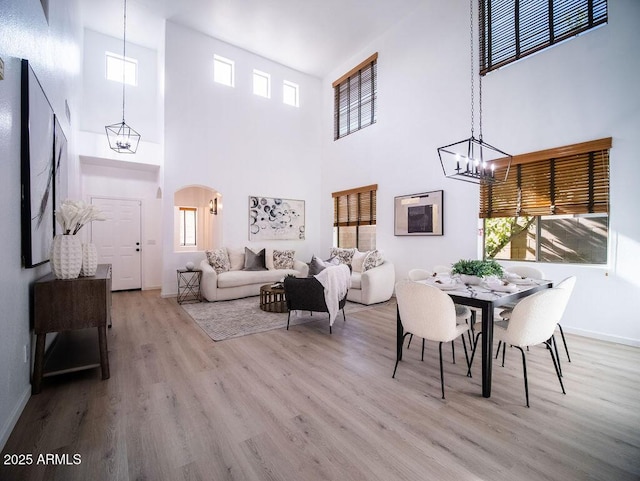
[{"x": 312, "y": 36}]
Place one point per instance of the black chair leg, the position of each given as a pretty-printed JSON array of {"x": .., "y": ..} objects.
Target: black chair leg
[
  {"x": 564, "y": 341},
  {"x": 466, "y": 354},
  {"x": 553, "y": 345},
  {"x": 344, "y": 316},
  {"x": 498, "y": 351},
  {"x": 524, "y": 369},
  {"x": 441, "y": 371},
  {"x": 422, "y": 359},
  {"x": 473, "y": 353},
  {"x": 555, "y": 364},
  {"x": 453, "y": 352},
  {"x": 398, "y": 356},
  {"x": 288, "y": 319},
  {"x": 410, "y": 339},
  {"x": 330, "y": 332},
  {"x": 504, "y": 352}
]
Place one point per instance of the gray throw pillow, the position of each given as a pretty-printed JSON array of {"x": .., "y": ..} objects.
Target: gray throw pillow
[
  {"x": 253, "y": 261},
  {"x": 316, "y": 266}
]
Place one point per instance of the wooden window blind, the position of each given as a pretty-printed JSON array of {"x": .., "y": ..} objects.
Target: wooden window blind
[
  {"x": 513, "y": 29},
  {"x": 355, "y": 207},
  {"x": 355, "y": 98},
  {"x": 567, "y": 180}
]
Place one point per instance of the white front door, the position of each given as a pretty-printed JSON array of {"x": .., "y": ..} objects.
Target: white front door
[{"x": 118, "y": 241}]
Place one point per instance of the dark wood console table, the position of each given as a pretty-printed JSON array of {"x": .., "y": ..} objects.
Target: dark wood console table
[{"x": 61, "y": 305}]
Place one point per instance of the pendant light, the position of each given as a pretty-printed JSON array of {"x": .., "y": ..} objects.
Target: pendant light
[
  {"x": 474, "y": 160},
  {"x": 122, "y": 138}
]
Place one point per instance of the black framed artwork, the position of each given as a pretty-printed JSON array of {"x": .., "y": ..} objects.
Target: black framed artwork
[
  {"x": 37, "y": 169},
  {"x": 419, "y": 214}
]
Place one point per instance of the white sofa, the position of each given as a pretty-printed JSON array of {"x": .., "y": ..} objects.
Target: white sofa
[
  {"x": 235, "y": 284},
  {"x": 374, "y": 285}
]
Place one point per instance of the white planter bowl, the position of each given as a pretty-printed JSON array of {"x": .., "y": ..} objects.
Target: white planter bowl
[{"x": 473, "y": 280}]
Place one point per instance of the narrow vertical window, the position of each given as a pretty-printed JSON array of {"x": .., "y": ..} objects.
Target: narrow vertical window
[
  {"x": 223, "y": 71},
  {"x": 188, "y": 223},
  {"x": 115, "y": 64},
  {"x": 291, "y": 94},
  {"x": 261, "y": 84}
]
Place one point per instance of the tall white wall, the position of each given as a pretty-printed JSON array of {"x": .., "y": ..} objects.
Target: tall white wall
[
  {"x": 581, "y": 90},
  {"x": 54, "y": 51},
  {"x": 236, "y": 143},
  {"x": 423, "y": 102}
]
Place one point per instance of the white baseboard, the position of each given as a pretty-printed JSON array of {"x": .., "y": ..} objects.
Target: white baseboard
[
  {"x": 13, "y": 419},
  {"x": 602, "y": 337}
]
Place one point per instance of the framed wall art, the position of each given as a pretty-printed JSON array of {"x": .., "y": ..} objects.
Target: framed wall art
[
  {"x": 60, "y": 186},
  {"x": 419, "y": 214},
  {"x": 37, "y": 169},
  {"x": 273, "y": 218}
]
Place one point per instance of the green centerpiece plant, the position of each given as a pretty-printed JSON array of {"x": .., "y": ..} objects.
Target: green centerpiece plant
[{"x": 478, "y": 269}]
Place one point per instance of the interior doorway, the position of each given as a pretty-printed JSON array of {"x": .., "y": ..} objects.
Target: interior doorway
[{"x": 118, "y": 241}]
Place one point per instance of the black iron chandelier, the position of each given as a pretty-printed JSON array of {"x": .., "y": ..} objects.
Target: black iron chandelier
[
  {"x": 123, "y": 138},
  {"x": 473, "y": 160}
]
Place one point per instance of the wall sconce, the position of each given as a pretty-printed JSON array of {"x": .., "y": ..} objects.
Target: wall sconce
[{"x": 213, "y": 206}]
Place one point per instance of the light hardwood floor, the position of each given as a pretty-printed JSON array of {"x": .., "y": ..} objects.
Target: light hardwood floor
[{"x": 303, "y": 405}]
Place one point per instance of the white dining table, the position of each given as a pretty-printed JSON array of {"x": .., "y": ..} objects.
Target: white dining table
[{"x": 486, "y": 299}]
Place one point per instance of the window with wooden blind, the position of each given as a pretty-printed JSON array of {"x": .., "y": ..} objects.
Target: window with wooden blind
[
  {"x": 513, "y": 29},
  {"x": 355, "y": 98},
  {"x": 354, "y": 218},
  {"x": 553, "y": 207}
]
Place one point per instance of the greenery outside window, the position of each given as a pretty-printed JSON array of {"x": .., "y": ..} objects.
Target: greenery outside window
[
  {"x": 554, "y": 207},
  {"x": 354, "y": 218},
  {"x": 513, "y": 29},
  {"x": 355, "y": 98}
]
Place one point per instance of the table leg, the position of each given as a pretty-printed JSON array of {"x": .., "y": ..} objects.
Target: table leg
[
  {"x": 38, "y": 364},
  {"x": 400, "y": 337},
  {"x": 487, "y": 348},
  {"x": 104, "y": 355}
]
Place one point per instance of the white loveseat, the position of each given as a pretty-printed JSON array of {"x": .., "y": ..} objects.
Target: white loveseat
[
  {"x": 372, "y": 277},
  {"x": 236, "y": 282},
  {"x": 374, "y": 285}
]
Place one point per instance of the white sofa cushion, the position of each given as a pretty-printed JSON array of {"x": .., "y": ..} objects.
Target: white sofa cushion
[
  {"x": 242, "y": 278},
  {"x": 236, "y": 258},
  {"x": 358, "y": 260}
]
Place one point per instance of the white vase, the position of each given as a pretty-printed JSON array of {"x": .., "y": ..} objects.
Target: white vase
[
  {"x": 89, "y": 260},
  {"x": 473, "y": 280},
  {"x": 66, "y": 256}
]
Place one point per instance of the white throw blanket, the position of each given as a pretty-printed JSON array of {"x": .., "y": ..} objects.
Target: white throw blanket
[{"x": 336, "y": 281}]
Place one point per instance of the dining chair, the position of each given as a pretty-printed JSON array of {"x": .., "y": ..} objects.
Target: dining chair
[
  {"x": 419, "y": 274},
  {"x": 463, "y": 313},
  {"x": 533, "y": 321},
  {"x": 568, "y": 284},
  {"x": 523, "y": 271},
  {"x": 428, "y": 313}
]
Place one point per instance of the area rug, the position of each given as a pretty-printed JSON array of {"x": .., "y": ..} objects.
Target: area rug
[{"x": 239, "y": 317}]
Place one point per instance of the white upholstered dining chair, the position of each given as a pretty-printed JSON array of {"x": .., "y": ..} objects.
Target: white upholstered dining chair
[
  {"x": 463, "y": 313},
  {"x": 428, "y": 313},
  {"x": 533, "y": 321}
]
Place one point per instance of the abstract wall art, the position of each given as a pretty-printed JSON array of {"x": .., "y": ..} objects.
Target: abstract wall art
[
  {"x": 37, "y": 169},
  {"x": 419, "y": 214},
  {"x": 273, "y": 218}
]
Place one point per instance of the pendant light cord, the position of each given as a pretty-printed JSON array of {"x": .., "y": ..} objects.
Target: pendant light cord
[
  {"x": 472, "y": 72},
  {"x": 124, "y": 54}
]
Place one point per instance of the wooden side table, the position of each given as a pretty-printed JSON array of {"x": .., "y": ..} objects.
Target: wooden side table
[
  {"x": 189, "y": 285},
  {"x": 272, "y": 299},
  {"x": 61, "y": 305}
]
